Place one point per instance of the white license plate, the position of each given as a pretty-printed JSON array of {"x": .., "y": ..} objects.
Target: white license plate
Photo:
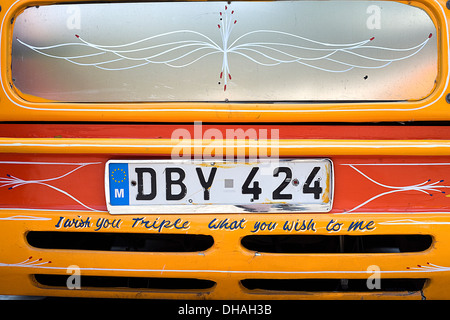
[{"x": 173, "y": 186}]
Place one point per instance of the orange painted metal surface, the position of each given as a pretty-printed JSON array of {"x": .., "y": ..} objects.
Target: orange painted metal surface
[
  {"x": 374, "y": 195},
  {"x": 17, "y": 108},
  {"x": 389, "y": 180},
  {"x": 393, "y": 184}
]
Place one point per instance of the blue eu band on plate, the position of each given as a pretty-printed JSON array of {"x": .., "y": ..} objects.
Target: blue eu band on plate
[{"x": 118, "y": 182}]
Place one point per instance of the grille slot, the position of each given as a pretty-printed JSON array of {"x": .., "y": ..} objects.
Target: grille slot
[
  {"x": 337, "y": 243},
  {"x": 333, "y": 285},
  {"x": 53, "y": 280},
  {"x": 136, "y": 242}
]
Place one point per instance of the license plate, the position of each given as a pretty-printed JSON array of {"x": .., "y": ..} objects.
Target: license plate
[{"x": 173, "y": 186}]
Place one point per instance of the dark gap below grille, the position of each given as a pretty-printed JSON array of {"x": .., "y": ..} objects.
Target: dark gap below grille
[
  {"x": 53, "y": 280},
  {"x": 140, "y": 242},
  {"x": 333, "y": 285},
  {"x": 337, "y": 243}
]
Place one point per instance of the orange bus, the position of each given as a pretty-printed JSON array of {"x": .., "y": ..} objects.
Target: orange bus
[{"x": 225, "y": 150}]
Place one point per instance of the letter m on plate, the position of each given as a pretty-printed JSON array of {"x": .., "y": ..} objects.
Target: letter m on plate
[
  {"x": 119, "y": 193},
  {"x": 119, "y": 182}
]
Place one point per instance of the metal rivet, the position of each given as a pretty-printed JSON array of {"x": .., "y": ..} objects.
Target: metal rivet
[{"x": 447, "y": 98}]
